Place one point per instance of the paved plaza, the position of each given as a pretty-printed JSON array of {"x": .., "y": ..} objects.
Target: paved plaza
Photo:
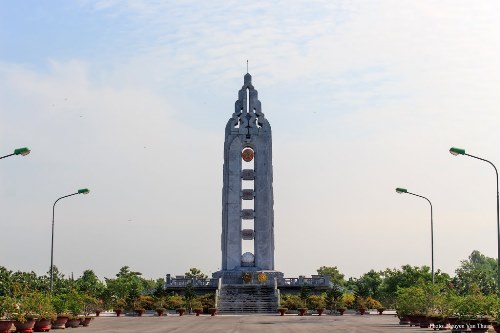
[{"x": 251, "y": 323}]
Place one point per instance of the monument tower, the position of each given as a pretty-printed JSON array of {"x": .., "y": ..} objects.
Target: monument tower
[{"x": 247, "y": 194}]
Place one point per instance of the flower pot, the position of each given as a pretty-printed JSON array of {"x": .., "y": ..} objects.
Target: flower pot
[
  {"x": 197, "y": 312},
  {"x": 413, "y": 321},
  {"x": 404, "y": 320},
  {"x": 423, "y": 322},
  {"x": 139, "y": 312},
  {"x": 341, "y": 311},
  {"x": 496, "y": 327},
  {"x": 60, "y": 322},
  {"x": 362, "y": 311},
  {"x": 118, "y": 312},
  {"x": 442, "y": 324},
  {"x": 212, "y": 311},
  {"x": 320, "y": 311},
  {"x": 5, "y": 326},
  {"x": 97, "y": 313},
  {"x": 85, "y": 321},
  {"x": 282, "y": 311},
  {"x": 302, "y": 311},
  {"x": 380, "y": 311},
  {"x": 26, "y": 327},
  {"x": 42, "y": 325},
  {"x": 181, "y": 311},
  {"x": 159, "y": 312},
  {"x": 73, "y": 323}
]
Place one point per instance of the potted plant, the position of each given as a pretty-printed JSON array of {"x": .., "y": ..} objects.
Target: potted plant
[
  {"x": 86, "y": 321},
  {"x": 46, "y": 313},
  {"x": 7, "y": 308},
  {"x": 119, "y": 305},
  {"x": 282, "y": 311},
  {"x": 27, "y": 311},
  {"x": 142, "y": 303},
  {"x": 212, "y": 311},
  {"x": 181, "y": 311},
  {"x": 474, "y": 310},
  {"x": 317, "y": 302},
  {"x": 302, "y": 311},
  {"x": 75, "y": 307},
  {"x": 197, "y": 311},
  {"x": 341, "y": 310},
  {"x": 159, "y": 305},
  {"x": 73, "y": 321},
  {"x": 380, "y": 310},
  {"x": 495, "y": 312},
  {"x": 24, "y": 322},
  {"x": 403, "y": 318}
]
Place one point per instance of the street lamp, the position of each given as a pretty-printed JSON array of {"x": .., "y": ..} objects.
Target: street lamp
[
  {"x": 19, "y": 151},
  {"x": 458, "y": 151},
  {"x": 401, "y": 190},
  {"x": 80, "y": 191}
]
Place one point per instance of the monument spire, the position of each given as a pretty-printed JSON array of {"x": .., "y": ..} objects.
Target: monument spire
[{"x": 247, "y": 176}]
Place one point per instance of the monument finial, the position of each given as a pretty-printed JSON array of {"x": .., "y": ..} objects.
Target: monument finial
[{"x": 247, "y": 66}]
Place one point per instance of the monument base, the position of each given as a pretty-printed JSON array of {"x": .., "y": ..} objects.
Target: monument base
[{"x": 248, "y": 275}]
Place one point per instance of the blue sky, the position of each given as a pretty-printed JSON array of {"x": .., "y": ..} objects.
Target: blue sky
[{"x": 130, "y": 99}]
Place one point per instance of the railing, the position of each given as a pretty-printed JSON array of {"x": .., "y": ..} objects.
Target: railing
[
  {"x": 320, "y": 281},
  {"x": 184, "y": 282},
  {"x": 301, "y": 281}
]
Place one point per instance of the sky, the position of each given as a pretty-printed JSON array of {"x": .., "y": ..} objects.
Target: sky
[{"x": 130, "y": 99}]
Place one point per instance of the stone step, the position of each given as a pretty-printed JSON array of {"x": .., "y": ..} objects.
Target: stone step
[{"x": 245, "y": 298}]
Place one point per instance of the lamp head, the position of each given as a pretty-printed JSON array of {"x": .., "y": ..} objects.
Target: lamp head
[
  {"x": 83, "y": 191},
  {"x": 401, "y": 190},
  {"x": 22, "y": 151},
  {"x": 457, "y": 151}
]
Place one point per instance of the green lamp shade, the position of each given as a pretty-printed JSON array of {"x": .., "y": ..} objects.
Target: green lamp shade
[
  {"x": 83, "y": 191},
  {"x": 457, "y": 151},
  {"x": 22, "y": 151},
  {"x": 401, "y": 190}
]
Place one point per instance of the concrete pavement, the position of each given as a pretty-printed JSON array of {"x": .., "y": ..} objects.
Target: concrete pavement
[{"x": 250, "y": 324}]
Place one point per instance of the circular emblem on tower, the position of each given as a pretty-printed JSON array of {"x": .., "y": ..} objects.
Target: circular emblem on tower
[{"x": 247, "y": 154}]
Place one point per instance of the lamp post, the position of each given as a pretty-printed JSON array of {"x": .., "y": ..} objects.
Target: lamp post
[
  {"x": 80, "y": 191},
  {"x": 19, "y": 151},
  {"x": 458, "y": 151},
  {"x": 403, "y": 190}
]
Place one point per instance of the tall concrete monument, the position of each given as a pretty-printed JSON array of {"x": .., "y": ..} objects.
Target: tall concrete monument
[{"x": 247, "y": 194}]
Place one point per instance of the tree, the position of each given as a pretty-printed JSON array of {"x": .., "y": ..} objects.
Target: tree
[
  {"x": 62, "y": 284},
  {"x": 90, "y": 284},
  {"x": 477, "y": 270},
  {"x": 195, "y": 273},
  {"x": 368, "y": 284},
  {"x": 334, "y": 297},
  {"x": 407, "y": 276},
  {"x": 305, "y": 291},
  {"x": 128, "y": 285},
  {"x": 189, "y": 296},
  {"x": 335, "y": 276},
  {"x": 5, "y": 281}
]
